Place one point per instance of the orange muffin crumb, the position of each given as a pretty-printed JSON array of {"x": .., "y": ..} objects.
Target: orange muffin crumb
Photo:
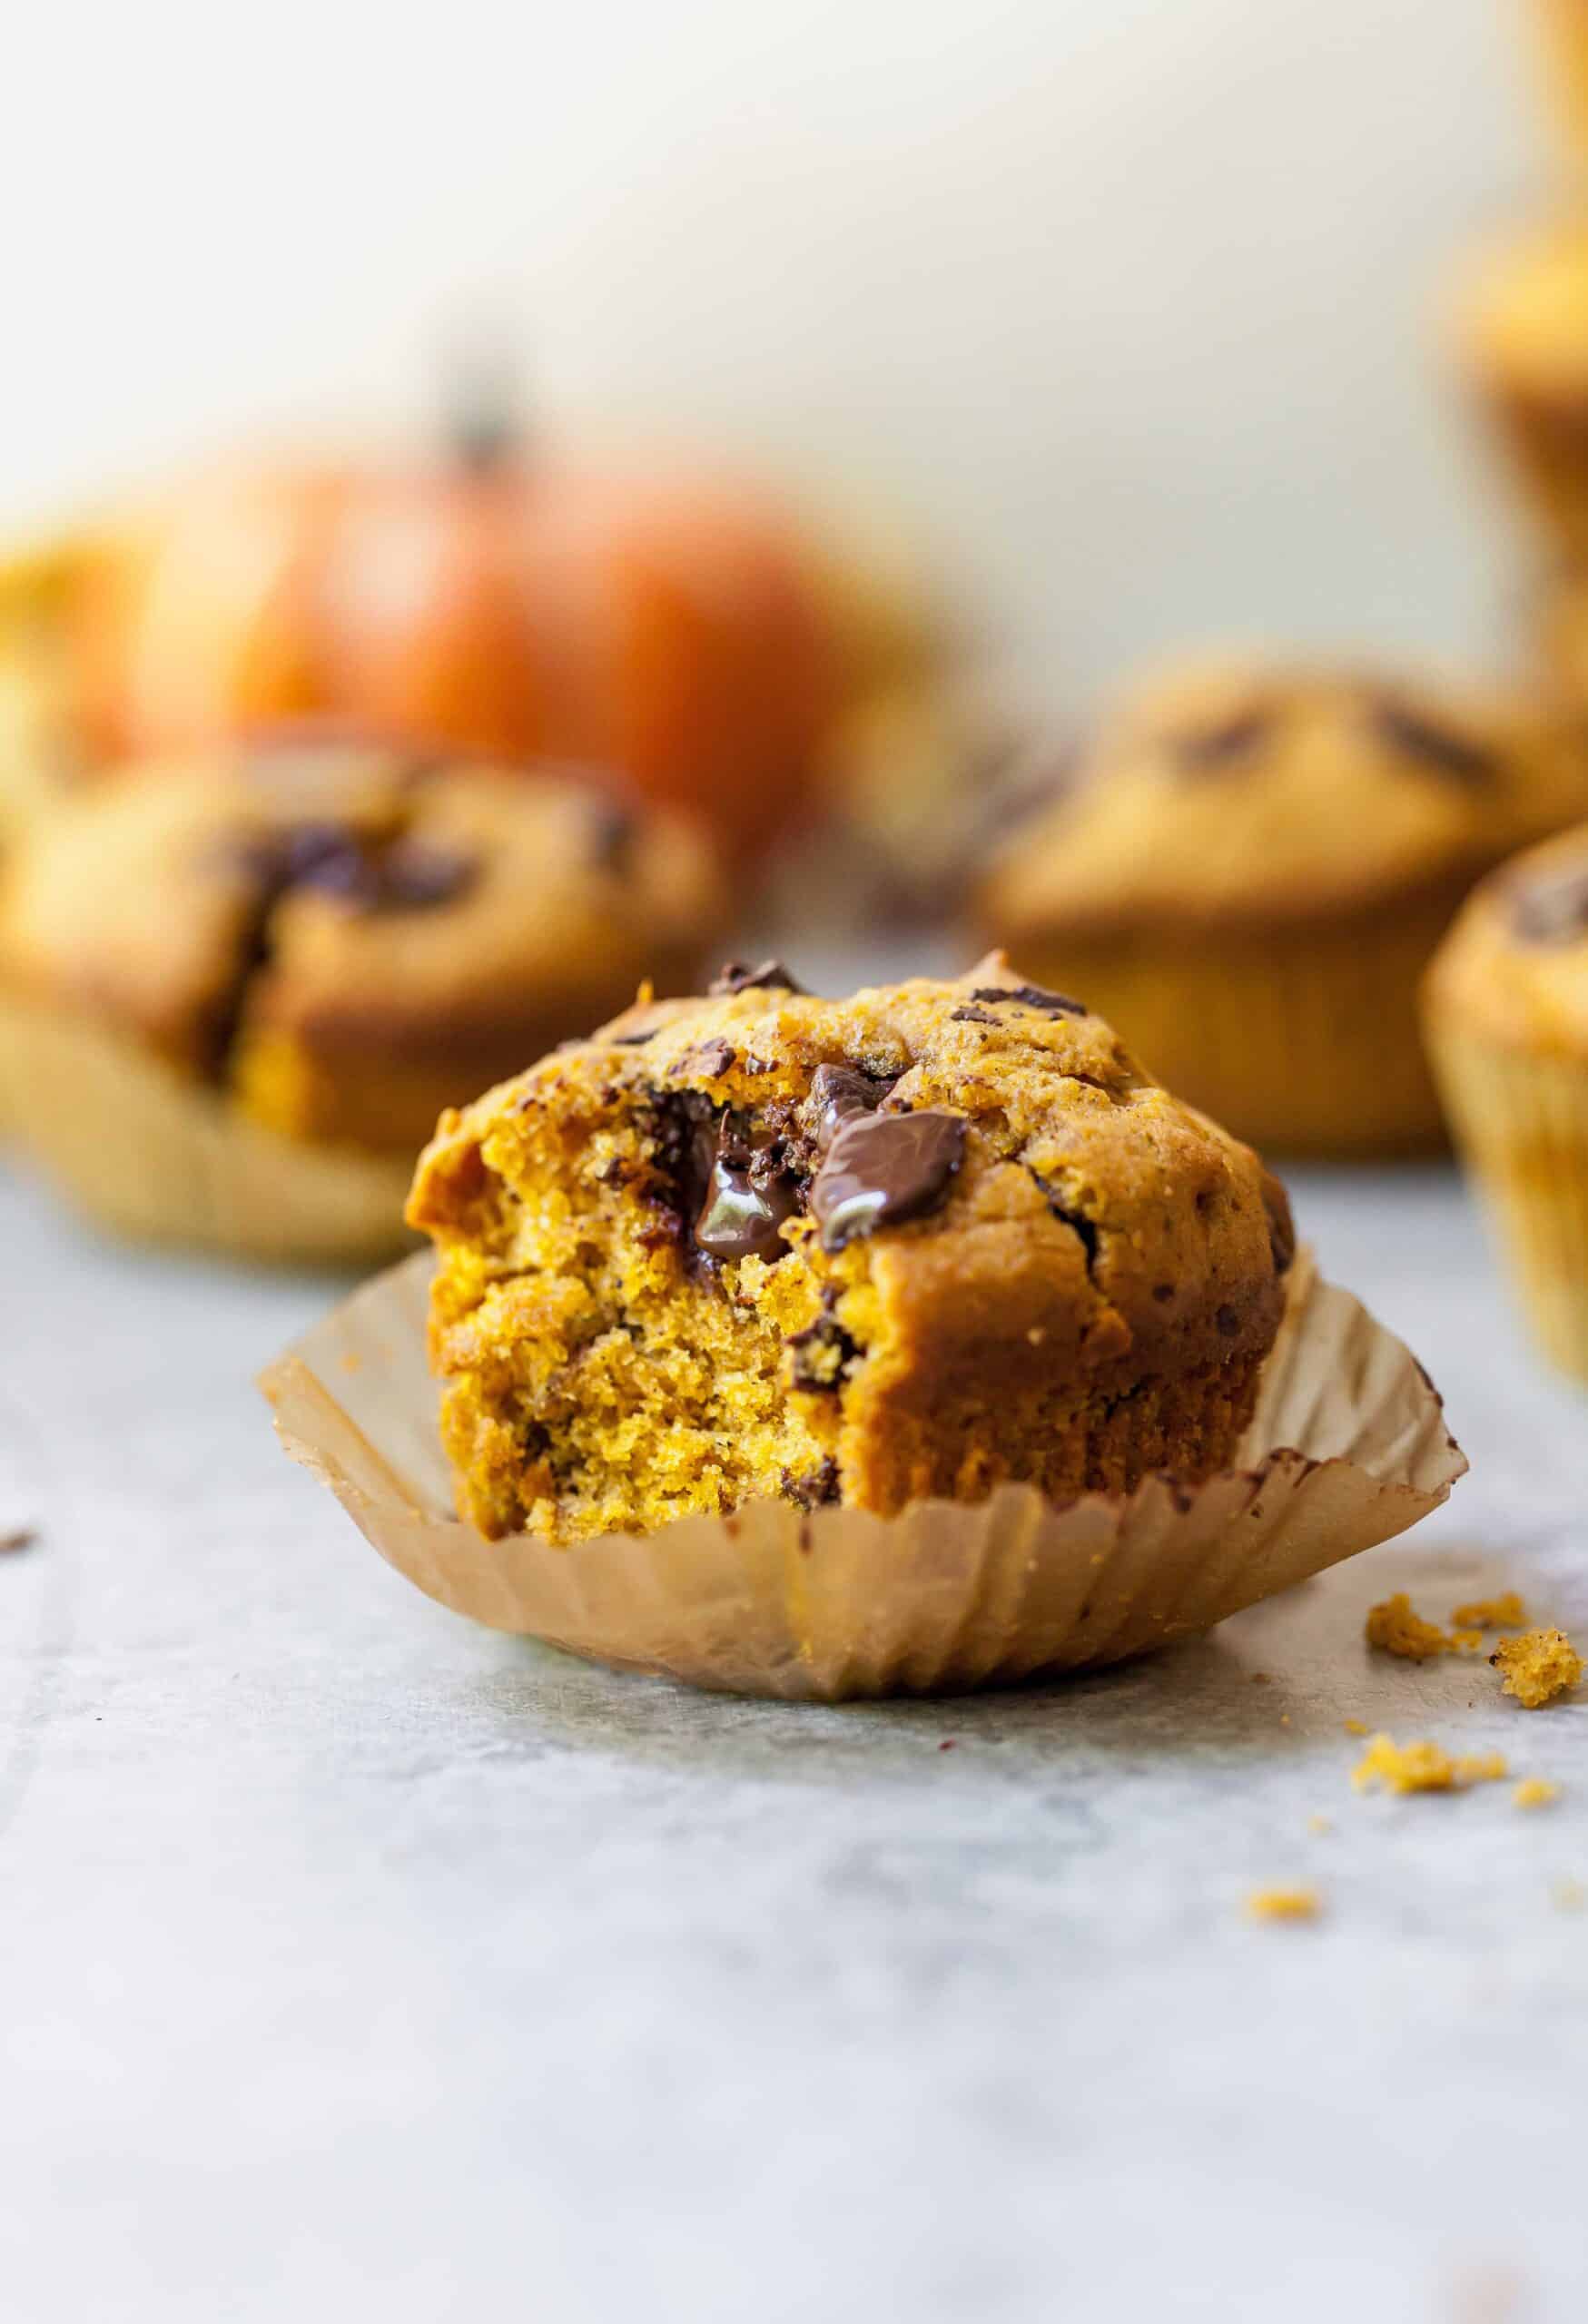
[
  {"x": 1538, "y": 1666},
  {"x": 1396, "y": 1627},
  {"x": 1284, "y": 1905},
  {"x": 1423, "y": 1766},
  {"x": 1502, "y": 1613},
  {"x": 1534, "y": 1791},
  {"x": 1356, "y": 1727},
  {"x": 1467, "y": 1641}
]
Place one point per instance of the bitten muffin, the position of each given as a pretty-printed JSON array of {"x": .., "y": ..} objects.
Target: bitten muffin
[
  {"x": 914, "y": 1243},
  {"x": 1522, "y": 331},
  {"x": 341, "y": 941},
  {"x": 1250, "y": 871},
  {"x": 1507, "y": 1006}
]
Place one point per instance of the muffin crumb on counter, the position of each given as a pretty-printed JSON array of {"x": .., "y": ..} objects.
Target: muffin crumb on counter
[
  {"x": 1284, "y": 1905},
  {"x": 1424, "y": 1765},
  {"x": 1537, "y": 1666}
]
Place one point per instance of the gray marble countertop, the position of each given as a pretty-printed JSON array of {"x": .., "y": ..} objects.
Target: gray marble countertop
[{"x": 361, "y": 1963}]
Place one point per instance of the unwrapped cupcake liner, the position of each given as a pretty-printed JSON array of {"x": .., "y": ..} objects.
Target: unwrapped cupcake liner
[
  {"x": 147, "y": 1155},
  {"x": 1348, "y": 1447},
  {"x": 1521, "y": 1120}
]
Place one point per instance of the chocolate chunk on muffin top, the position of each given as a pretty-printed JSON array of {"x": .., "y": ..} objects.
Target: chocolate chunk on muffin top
[
  {"x": 931, "y": 1237},
  {"x": 341, "y": 939}
]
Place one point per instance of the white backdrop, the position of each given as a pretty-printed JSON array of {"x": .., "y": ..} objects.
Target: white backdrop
[{"x": 1131, "y": 299}]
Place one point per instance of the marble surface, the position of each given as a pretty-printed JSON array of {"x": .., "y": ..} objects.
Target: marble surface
[{"x": 360, "y": 1963}]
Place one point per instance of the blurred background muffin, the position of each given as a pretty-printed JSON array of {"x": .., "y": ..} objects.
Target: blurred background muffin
[
  {"x": 1249, "y": 868},
  {"x": 331, "y": 942},
  {"x": 1507, "y": 1014}
]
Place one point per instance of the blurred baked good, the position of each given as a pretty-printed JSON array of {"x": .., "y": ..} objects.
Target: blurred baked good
[
  {"x": 342, "y": 940},
  {"x": 913, "y": 1243},
  {"x": 1250, "y": 869},
  {"x": 1506, "y": 1004},
  {"x": 1522, "y": 325}
]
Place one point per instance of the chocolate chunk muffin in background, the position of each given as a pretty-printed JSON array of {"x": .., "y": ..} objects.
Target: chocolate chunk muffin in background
[
  {"x": 1252, "y": 865},
  {"x": 918, "y": 1242},
  {"x": 329, "y": 943},
  {"x": 1521, "y": 334},
  {"x": 1506, "y": 1008}
]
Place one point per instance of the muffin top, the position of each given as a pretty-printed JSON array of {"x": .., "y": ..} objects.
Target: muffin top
[
  {"x": 1520, "y": 305},
  {"x": 1228, "y": 792},
  {"x": 935, "y": 1135},
  {"x": 348, "y": 895},
  {"x": 1515, "y": 964}
]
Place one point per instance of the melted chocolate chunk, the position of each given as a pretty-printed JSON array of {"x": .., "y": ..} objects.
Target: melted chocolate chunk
[
  {"x": 711, "y": 1059},
  {"x": 1076, "y": 1220},
  {"x": 1553, "y": 909},
  {"x": 1209, "y": 750},
  {"x": 1031, "y": 996},
  {"x": 1443, "y": 750},
  {"x": 839, "y": 1093},
  {"x": 632, "y": 1040},
  {"x": 741, "y": 976},
  {"x": 881, "y": 1170},
  {"x": 407, "y": 875},
  {"x": 817, "y": 1488},
  {"x": 971, "y": 1016},
  {"x": 416, "y": 874},
  {"x": 748, "y": 1195}
]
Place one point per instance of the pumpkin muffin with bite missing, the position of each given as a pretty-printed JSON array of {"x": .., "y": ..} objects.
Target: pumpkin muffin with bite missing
[
  {"x": 911, "y": 1243},
  {"x": 1250, "y": 868},
  {"x": 335, "y": 941},
  {"x": 1507, "y": 1006}
]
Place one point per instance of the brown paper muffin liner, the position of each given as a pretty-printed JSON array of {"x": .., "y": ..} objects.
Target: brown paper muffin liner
[
  {"x": 1349, "y": 1446},
  {"x": 1521, "y": 1121},
  {"x": 147, "y": 1155},
  {"x": 1304, "y": 1040}
]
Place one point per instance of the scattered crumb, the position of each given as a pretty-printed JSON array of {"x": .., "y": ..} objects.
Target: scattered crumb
[
  {"x": 1356, "y": 1727},
  {"x": 1396, "y": 1627},
  {"x": 1534, "y": 1791},
  {"x": 1284, "y": 1718},
  {"x": 1262, "y": 1678},
  {"x": 1320, "y": 1824},
  {"x": 1423, "y": 1766},
  {"x": 20, "y": 1537},
  {"x": 1538, "y": 1666},
  {"x": 1502, "y": 1613},
  {"x": 1284, "y": 1905},
  {"x": 947, "y": 1744},
  {"x": 1467, "y": 1641},
  {"x": 1570, "y": 1895}
]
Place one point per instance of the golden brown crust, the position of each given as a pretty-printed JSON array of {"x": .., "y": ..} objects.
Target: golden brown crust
[
  {"x": 1508, "y": 972},
  {"x": 1230, "y": 798},
  {"x": 457, "y": 920},
  {"x": 1086, "y": 1293}
]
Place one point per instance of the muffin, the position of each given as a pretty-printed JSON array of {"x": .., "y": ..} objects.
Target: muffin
[
  {"x": 1522, "y": 326},
  {"x": 915, "y": 1243},
  {"x": 331, "y": 943},
  {"x": 1507, "y": 1005},
  {"x": 1249, "y": 870},
  {"x": 1562, "y": 41}
]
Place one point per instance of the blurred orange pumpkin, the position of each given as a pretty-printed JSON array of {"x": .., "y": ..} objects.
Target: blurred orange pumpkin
[{"x": 670, "y": 628}]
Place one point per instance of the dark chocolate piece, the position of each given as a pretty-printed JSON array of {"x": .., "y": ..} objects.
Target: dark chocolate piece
[
  {"x": 417, "y": 874},
  {"x": 1077, "y": 1221},
  {"x": 1552, "y": 908},
  {"x": 1226, "y": 1323},
  {"x": 711, "y": 1059},
  {"x": 1443, "y": 750},
  {"x": 19, "y": 1537},
  {"x": 741, "y": 976},
  {"x": 748, "y": 1195},
  {"x": 631, "y": 1040},
  {"x": 1209, "y": 750},
  {"x": 1031, "y": 996},
  {"x": 613, "y": 831},
  {"x": 838, "y": 1093},
  {"x": 884, "y": 1168},
  {"x": 971, "y": 1016},
  {"x": 815, "y": 1489},
  {"x": 820, "y": 1355}
]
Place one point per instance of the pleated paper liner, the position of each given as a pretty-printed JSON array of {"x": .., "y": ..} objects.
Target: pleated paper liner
[
  {"x": 1349, "y": 1446},
  {"x": 1521, "y": 1121},
  {"x": 147, "y": 1155}
]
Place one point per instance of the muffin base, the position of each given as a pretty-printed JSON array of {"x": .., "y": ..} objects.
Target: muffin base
[
  {"x": 1521, "y": 1121},
  {"x": 1303, "y": 1039}
]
